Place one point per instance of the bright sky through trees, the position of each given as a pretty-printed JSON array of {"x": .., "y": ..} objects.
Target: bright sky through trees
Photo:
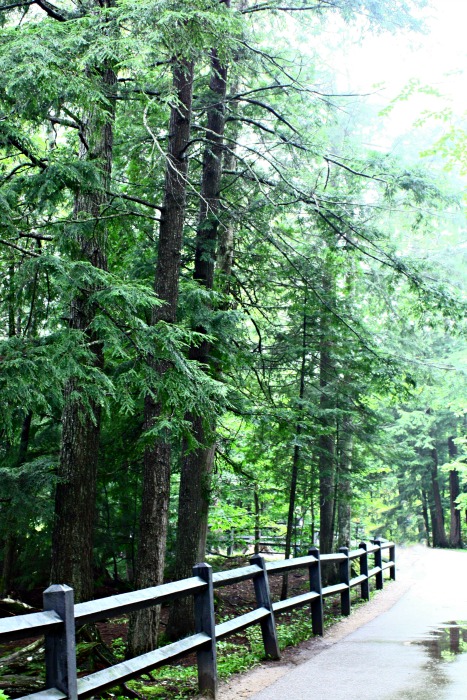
[{"x": 384, "y": 64}]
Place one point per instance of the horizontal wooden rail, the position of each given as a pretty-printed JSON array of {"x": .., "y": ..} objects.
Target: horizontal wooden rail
[
  {"x": 30, "y": 625},
  {"x": 225, "y": 578},
  {"x": 276, "y": 567},
  {"x": 125, "y": 603},
  {"x": 124, "y": 671},
  {"x": 332, "y": 590},
  {"x": 357, "y": 580},
  {"x": 356, "y": 553},
  {"x": 334, "y": 557},
  {"x": 224, "y": 629},
  {"x": 60, "y": 617},
  {"x": 295, "y": 602},
  {"x": 387, "y": 565}
]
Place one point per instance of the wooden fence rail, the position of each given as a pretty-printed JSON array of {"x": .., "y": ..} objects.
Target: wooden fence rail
[{"x": 61, "y": 617}]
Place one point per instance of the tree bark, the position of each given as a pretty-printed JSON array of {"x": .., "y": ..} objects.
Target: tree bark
[
  {"x": 13, "y": 538},
  {"x": 257, "y": 519},
  {"x": 143, "y": 628},
  {"x": 439, "y": 533},
  {"x": 197, "y": 465},
  {"x": 72, "y": 537},
  {"x": 425, "y": 516},
  {"x": 455, "y": 539},
  {"x": 326, "y": 458},
  {"x": 296, "y": 452},
  {"x": 344, "y": 494}
]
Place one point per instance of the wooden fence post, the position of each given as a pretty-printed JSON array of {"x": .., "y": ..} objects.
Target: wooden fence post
[
  {"x": 263, "y": 599},
  {"x": 365, "y": 585},
  {"x": 204, "y": 622},
  {"x": 344, "y": 571},
  {"x": 316, "y": 585},
  {"x": 392, "y": 557},
  {"x": 60, "y": 646},
  {"x": 379, "y": 562}
]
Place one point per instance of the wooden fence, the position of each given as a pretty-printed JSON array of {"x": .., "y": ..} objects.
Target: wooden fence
[{"x": 60, "y": 617}]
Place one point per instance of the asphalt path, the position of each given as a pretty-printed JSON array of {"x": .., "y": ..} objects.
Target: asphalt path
[{"x": 415, "y": 650}]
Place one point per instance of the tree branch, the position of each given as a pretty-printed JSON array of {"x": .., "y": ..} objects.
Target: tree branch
[
  {"x": 38, "y": 162},
  {"x": 253, "y": 122},
  {"x": 354, "y": 172},
  {"x": 271, "y": 6},
  {"x": 64, "y": 122},
  {"x": 16, "y": 5},
  {"x": 138, "y": 200},
  {"x": 51, "y": 10},
  {"x": 17, "y": 247},
  {"x": 273, "y": 111}
]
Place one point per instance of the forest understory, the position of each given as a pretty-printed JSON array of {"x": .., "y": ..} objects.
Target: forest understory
[{"x": 22, "y": 665}]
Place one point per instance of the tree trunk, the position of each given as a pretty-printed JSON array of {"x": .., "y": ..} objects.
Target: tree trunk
[
  {"x": 226, "y": 247},
  {"x": 10, "y": 551},
  {"x": 14, "y": 537},
  {"x": 425, "y": 517},
  {"x": 344, "y": 494},
  {"x": 296, "y": 452},
  {"x": 143, "y": 628},
  {"x": 326, "y": 459},
  {"x": 454, "y": 491},
  {"x": 197, "y": 465},
  {"x": 439, "y": 533},
  {"x": 257, "y": 519},
  {"x": 72, "y": 537}
]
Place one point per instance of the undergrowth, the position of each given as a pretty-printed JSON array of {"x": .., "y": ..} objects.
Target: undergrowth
[{"x": 233, "y": 656}]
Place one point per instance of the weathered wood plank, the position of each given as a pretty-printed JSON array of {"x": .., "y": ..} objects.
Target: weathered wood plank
[
  {"x": 365, "y": 588},
  {"x": 224, "y": 578},
  {"x": 357, "y": 580},
  {"x": 60, "y": 645},
  {"x": 331, "y": 590},
  {"x": 276, "y": 567},
  {"x": 295, "y": 602},
  {"x": 392, "y": 557},
  {"x": 123, "y": 603},
  {"x": 344, "y": 575},
  {"x": 371, "y": 548},
  {"x": 332, "y": 557},
  {"x": 49, "y": 694},
  {"x": 355, "y": 553},
  {"x": 28, "y": 625},
  {"x": 379, "y": 579},
  {"x": 132, "y": 668},
  {"x": 316, "y": 586},
  {"x": 375, "y": 570},
  {"x": 263, "y": 600},
  {"x": 386, "y": 545},
  {"x": 239, "y": 623},
  {"x": 387, "y": 565},
  {"x": 205, "y": 623}
]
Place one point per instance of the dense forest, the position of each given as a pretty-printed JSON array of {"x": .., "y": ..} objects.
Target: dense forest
[{"x": 226, "y": 321}]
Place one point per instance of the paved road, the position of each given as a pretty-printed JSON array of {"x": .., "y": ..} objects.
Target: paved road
[{"x": 415, "y": 650}]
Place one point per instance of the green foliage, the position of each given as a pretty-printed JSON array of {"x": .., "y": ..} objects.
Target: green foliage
[{"x": 327, "y": 262}]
